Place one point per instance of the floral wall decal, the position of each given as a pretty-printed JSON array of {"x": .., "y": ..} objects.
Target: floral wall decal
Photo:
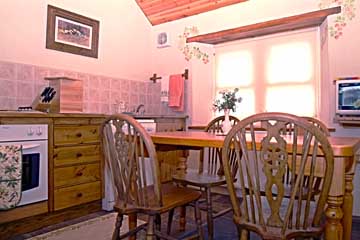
[
  {"x": 347, "y": 14},
  {"x": 191, "y": 51}
]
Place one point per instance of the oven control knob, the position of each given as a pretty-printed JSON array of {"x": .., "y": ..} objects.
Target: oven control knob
[
  {"x": 30, "y": 131},
  {"x": 39, "y": 131}
]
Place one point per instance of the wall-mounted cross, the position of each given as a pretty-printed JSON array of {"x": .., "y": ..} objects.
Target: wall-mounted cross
[{"x": 154, "y": 78}]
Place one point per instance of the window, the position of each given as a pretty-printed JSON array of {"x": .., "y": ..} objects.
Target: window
[{"x": 274, "y": 73}]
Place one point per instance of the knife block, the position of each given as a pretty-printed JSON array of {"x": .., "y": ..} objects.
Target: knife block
[
  {"x": 38, "y": 105},
  {"x": 69, "y": 95}
]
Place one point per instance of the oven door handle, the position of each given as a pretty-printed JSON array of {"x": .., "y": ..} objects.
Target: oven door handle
[{"x": 30, "y": 146}]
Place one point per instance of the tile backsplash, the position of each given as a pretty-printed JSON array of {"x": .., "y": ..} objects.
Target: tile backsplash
[{"x": 21, "y": 83}]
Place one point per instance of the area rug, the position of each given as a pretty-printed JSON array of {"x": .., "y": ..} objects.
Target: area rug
[
  {"x": 101, "y": 227},
  {"x": 97, "y": 228}
]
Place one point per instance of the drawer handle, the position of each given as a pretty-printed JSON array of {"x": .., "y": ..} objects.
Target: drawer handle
[
  {"x": 79, "y": 195},
  {"x": 79, "y": 174},
  {"x": 79, "y": 135},
  {"x": 78, "y": 155}
]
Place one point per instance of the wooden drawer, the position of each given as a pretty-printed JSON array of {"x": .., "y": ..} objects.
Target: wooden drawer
[
  {"x": 79, "y": 194},
  {"x": 170, "y": 125},
  {"x": 76, "y": 155},
  {"x": 67, "y": 135},
  {"x": 72, "y": 175}
]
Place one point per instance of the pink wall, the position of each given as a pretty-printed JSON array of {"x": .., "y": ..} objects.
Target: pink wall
[
  {"x": 124, "y": 37},
  {"x": 343, "y": 53}
]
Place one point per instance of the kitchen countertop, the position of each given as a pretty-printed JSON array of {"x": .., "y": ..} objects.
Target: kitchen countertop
[{"x": 37, "y": 114}]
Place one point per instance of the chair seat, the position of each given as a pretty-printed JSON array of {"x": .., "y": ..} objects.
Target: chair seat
[
  {"x": 199, "y": 179},
  {"x": 172, "y": 196}
]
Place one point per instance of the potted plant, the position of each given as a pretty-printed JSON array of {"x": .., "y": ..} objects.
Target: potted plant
[{"x": 226, "y": 102}]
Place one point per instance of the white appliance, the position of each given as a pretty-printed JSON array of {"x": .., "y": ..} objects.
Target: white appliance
[
  {"x": 34, "y": 141},
  {"x": 109, "y": 199}
]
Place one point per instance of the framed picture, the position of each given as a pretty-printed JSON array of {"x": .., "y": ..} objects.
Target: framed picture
[{"x": 71, "y": 32}]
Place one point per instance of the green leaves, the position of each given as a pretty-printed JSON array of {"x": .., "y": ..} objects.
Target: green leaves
[{"x": 228, "y": 100}]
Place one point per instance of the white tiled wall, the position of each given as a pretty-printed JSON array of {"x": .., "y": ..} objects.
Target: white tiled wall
[{"x": 20, "y": 83}]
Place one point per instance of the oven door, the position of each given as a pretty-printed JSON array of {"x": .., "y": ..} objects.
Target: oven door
[
  {"x": 35, "y": 172},
  {"x": 34, "y": 180}
]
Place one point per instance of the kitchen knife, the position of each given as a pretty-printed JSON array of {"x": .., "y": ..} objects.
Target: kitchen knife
[
  {"x": 47, "y": 95},
  {"x": 45, "y": 91},
  {"x": 51, "y": 96}
]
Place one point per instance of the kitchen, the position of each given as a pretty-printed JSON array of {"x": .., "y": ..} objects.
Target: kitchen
[{"x": 128, "y": 56}]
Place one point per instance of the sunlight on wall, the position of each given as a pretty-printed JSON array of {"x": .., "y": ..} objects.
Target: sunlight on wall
[
  {"x": 234, "y": 68},
  {"x": 302, "y": 100},
  {"x": 292, "y": 62},
  {"x": 247, "y": 105}
]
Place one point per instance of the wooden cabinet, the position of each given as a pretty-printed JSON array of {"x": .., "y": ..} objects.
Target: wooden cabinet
[
  {"x": 77, "y": 163},
  {"x": 169, "y": 160},
  {"x": 75, "y": 168}
]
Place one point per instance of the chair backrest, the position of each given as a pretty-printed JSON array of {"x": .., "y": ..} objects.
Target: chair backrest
[
  {"x": 316, "y": 122},
  {"x": 131, "y": 158},
  {"x": 276, "y": 151},
  {"x": 212, "y": 156},
  {"x": 323, "y": 128}
]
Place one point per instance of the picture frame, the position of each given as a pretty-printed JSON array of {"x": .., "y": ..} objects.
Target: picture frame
[{"x": 72, "y": 33}]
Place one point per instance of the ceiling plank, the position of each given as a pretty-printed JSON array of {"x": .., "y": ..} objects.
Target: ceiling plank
[
  {"x": 190, "y": 9},
  {"x": 160, "y": 11},
  {"x": 296, "y": 22}
]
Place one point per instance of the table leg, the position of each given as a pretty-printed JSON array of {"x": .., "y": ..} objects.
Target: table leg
[
  {"x": 348, "y": 205},
  {"x": 132, "y": 224},
  {"x": 334, "y": 214},
  {"x": 182, "y": 165},
  {"x": 182, "y": 220}
]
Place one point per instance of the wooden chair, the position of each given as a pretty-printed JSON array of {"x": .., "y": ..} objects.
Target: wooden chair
[
  {"x": 213, "y": 175},
  {"x": 316, "y": 122},
  {"x": 275, "y": 216},
  {"x": 131, "y": 157},
  {"x": 319, "y": 175}
]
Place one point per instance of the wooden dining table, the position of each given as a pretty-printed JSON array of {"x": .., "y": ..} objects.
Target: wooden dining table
[{"x": 340, "y": 198}]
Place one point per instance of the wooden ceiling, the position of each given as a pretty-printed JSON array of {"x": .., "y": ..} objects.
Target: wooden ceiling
[{"x": 161, "y": 11}]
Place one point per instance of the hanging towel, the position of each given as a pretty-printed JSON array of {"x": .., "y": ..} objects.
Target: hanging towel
[
  {"x": 10, "y": 172},
  {"x": 176, "y": 92},
  {"x": 164, "y": 89}
]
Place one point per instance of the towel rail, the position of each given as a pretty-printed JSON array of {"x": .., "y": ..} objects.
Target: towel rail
[{"x": 155, "y": 77}]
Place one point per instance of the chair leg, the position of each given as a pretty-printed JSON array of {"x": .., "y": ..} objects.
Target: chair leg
[
  {"x": 158, "y": 223},
  {"x": 244, "y": 234},
  {"x": 150, "y": 232},
  {"x": 170, "y": 219},
  {"x": 210, "y": 221},
  {"x": 132, "y": 224},
  {"x": 118, "y": 223},
  {"x": 198, "y": 220}
]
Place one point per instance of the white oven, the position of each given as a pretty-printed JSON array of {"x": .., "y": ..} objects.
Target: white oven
[{"x": 34, "y": 141}]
